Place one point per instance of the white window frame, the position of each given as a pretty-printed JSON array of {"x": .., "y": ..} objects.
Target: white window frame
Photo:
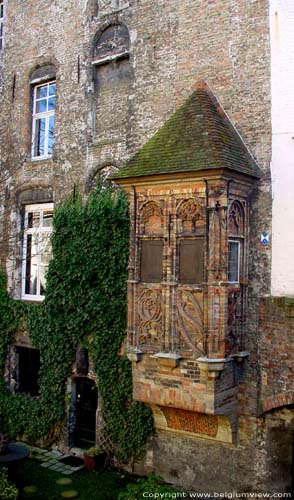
[
  {"x": 238, "y": 243},
  {"x": 39, "y": 115},
  {"x": 39, "y": 231},
  {"x": 2, "y": 15}
]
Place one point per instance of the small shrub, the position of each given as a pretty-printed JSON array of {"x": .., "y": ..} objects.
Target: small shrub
[
  {"x": 151, "y": 484},
  {"x": 7, "y": 490},
  {"x": 94, "y": 451}
]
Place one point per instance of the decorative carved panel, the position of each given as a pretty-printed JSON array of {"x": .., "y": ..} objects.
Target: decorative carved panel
[
  {"x": 151, "y": 218},
  {"x": 217, "y": 257},
  {"x": 189, "y": 320},
  {"x": 150, "y": 316},
  {"x": 235, "y": 319},
  {"x": 189, "y": 421},
  {"x": 236, "y": 219},
  {"x": 190, "y": 213}
]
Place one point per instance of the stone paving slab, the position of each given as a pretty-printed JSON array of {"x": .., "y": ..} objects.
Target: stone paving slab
[
  {"x": 50, "y": 460},
  {"x": 44, "y": 464},
  {"x": 38, "y": 457}
]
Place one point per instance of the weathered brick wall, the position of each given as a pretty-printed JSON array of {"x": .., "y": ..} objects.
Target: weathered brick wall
[
  {"x": 276, "y": 352},
  {"x": 173, "y": 44},
  {"x": 204, "y": 465},
  {"x": 282, "y": 80}
]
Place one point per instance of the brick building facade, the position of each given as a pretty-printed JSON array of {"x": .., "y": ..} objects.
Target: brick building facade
[{"x": 84, "y": 86}]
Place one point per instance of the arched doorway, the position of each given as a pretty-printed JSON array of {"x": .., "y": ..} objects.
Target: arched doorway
[
  {"x": 85, "y": 399},
  {"x": 279, "y": 445}
]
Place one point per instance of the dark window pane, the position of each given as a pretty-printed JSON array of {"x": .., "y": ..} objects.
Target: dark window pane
[
  {"x": 234, "y": 261},
  {"x": 191, "y": 261},
  {"x": 39, "y": 139},
  {"x": 41, "y": 106},
  {"x": 151, "y": 261},
  {"x": 51, "y": 104},
  {"x": 31, "y": 265},
  {"x": 50, "y": 134},
  {"x": 28, "y": 370},
  {"x": 52, "y": 87},
  {"x": 42, "y": 92}
]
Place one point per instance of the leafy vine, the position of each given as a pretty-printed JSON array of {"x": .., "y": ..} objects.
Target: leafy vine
[{"x": 85, "y": 303}]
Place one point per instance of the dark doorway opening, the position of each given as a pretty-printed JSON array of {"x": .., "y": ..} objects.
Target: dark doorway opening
[{"x": 86, "y": 396}]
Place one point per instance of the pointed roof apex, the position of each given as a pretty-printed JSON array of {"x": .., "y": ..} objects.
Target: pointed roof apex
[{"x": 199, "y": 136}]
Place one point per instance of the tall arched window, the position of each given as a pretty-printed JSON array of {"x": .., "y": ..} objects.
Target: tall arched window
[
  {"x": 43, "y": 113},
  {"x": 112, "y": 77}
]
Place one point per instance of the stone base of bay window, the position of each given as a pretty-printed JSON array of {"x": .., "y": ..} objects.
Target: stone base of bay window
[
  {"x": 203, "y": 463},
  {"x": 205, "y": 386},
  {"x": 193, "y": 424}
]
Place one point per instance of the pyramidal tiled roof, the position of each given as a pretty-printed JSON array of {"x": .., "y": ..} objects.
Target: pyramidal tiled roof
[{"x": 198, "y": 136}]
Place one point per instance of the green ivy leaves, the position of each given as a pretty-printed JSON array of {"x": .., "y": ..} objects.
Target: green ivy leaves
[{"x": 85, "y": 303}]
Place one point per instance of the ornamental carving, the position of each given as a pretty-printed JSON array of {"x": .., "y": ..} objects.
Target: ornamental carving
[
  {"x": 234, "y": 324},
  {"x": 150, "y": 316},
  {"x": 217, "y": 255},
  {"x": 191, "y": 215},
  {"x": 189, "y": 321},
  {"x": 190, "y": 421},
  {"x": 236, "y": 219},
  {"x": 151, "y": 218}
]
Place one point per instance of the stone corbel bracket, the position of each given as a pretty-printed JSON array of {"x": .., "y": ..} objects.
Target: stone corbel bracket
[
  {"x": 212, "y": 364},
  {"x": 168, "y": 359},
  {"x": 134, "y": 355},
  {"x": 240, "y": 356},
  {"x": 211, "y": 367}
]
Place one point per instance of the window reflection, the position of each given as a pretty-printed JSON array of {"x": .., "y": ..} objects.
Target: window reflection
[
  {"x": 37, "y": 249},
  {"x": 43, "y": 119}
]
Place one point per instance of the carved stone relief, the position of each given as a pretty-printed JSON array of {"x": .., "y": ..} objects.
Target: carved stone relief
[
  {"x": 190, "y": 213},
  {"x": 151, "y": 218},
  {"x": 217, "y": 256},
  {"x": 150, "y": 316},
  {"x": 234, "y": 327},
  {"x": 189, "y": 321},
  {"x": 236, "y": 219}
]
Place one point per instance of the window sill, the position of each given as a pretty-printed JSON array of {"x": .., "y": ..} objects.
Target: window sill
[
  {"x": 41, "y": 158},
  {"x": 107, "y": 59},
  {"x": 33, "y": 298}
]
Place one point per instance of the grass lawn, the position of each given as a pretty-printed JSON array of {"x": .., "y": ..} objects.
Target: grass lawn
[{"x": 102, "y": 485}]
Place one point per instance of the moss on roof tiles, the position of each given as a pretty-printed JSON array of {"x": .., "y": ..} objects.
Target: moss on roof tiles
[{"x": 198, "y": 136}]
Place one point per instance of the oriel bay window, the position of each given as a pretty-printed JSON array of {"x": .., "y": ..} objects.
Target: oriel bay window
[
  {"x": 43, "y": 119},
  {"x": 36, "y": 249}
]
